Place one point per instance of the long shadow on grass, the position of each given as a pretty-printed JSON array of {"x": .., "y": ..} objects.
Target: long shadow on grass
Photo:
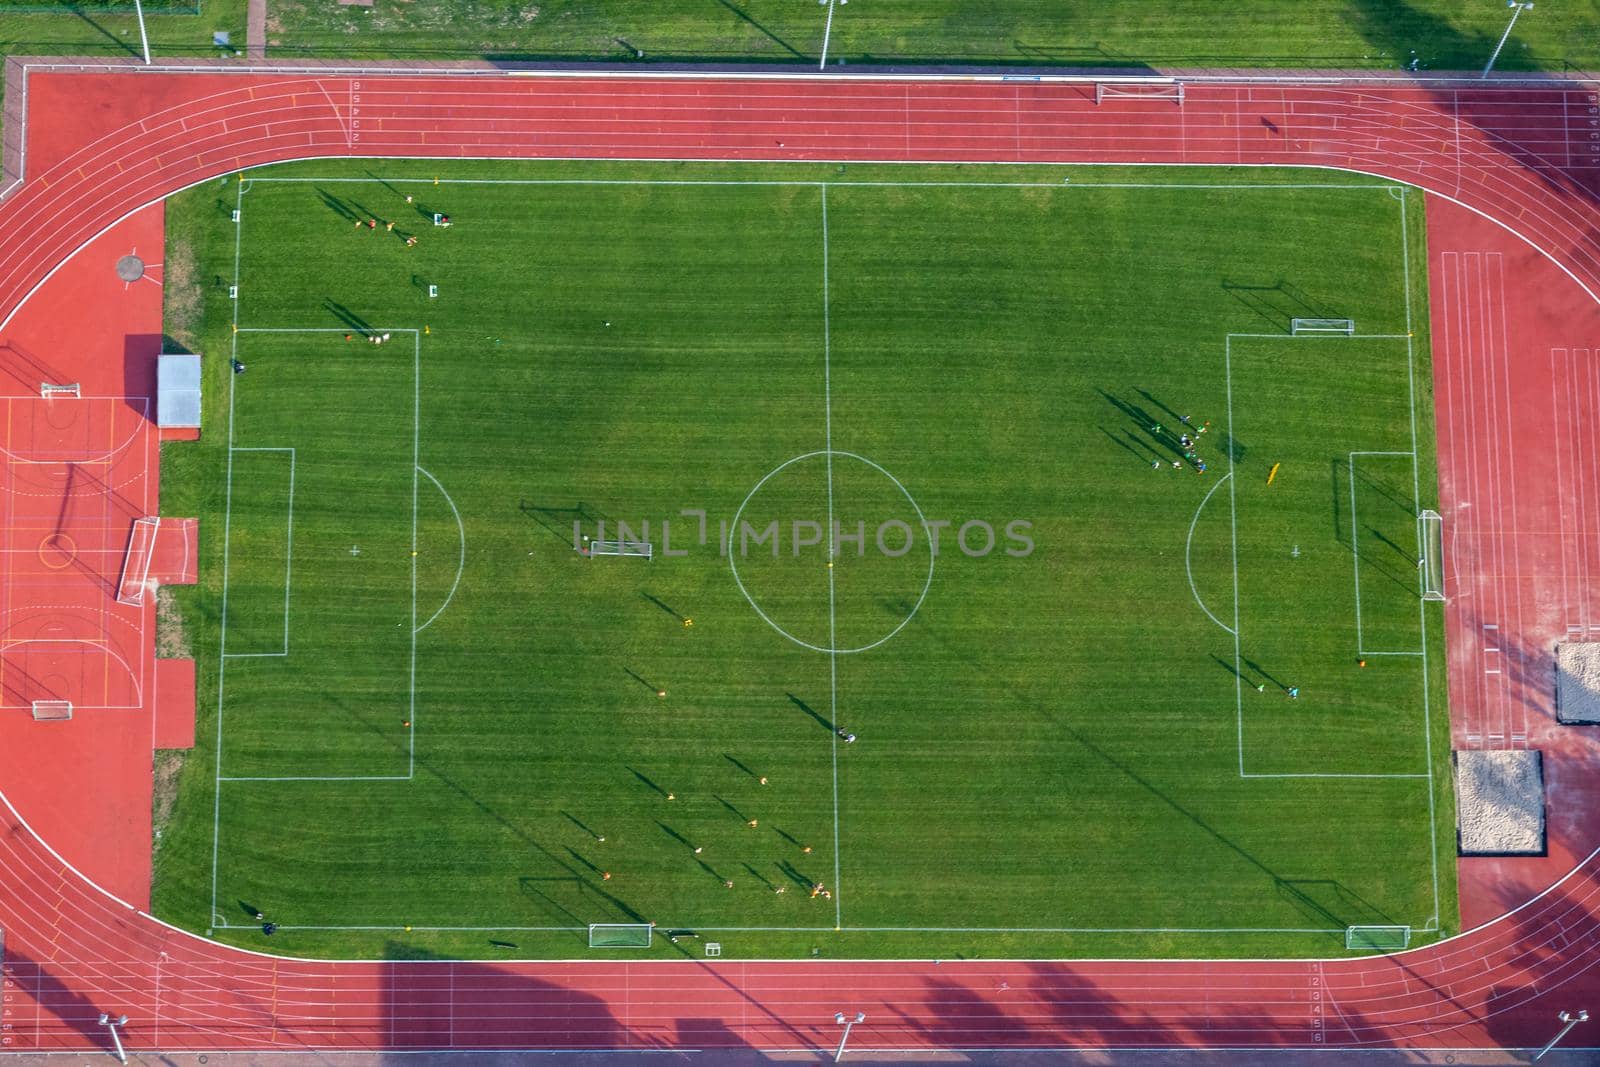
[
  {"x": 1088, "y": 745},
  {"x": 774, "y": 38},
  {"x": 822, "y": 720}
]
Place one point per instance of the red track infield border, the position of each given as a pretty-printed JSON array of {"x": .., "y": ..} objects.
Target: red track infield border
[{"x": 1523, "y": 155}]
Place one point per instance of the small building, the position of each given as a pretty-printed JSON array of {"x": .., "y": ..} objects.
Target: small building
[{"x": 178, "y": 391}]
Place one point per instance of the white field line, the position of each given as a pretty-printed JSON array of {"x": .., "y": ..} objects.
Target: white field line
[
  {"x": 227, "y": 526},
  {"x": 1233, "y": 525},
  {"x": 288, "y": 563},
  {"x": 1416, "y": 501},
  {"x": 461, "y": 562},
  {"x": 1065, "y": 183},
  {"x": 1188, "y": 546},
  {"x": 416, "y": 465},
  {"x": 833, "y": 636}
]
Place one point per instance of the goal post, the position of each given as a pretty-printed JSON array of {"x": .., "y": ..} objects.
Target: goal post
[
  {"x": 1139, "y": 89},
  {"x": 49, "y": 390},
  {"x": 639, "y": 549},
  {"x": 1377, "y": 938},
  {"x": 620, "y": 935},
  {"x": 52, "y": 710},
  {"x": 136, "y": 564},
  {"x": 1342, "y": 327},
  {"x": 1430, "y": 554}
]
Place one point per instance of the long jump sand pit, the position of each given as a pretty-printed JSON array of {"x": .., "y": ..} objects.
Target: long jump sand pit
[
  {"x": 1500, "y": 803},
  {"x": 1578, "y": 682}
]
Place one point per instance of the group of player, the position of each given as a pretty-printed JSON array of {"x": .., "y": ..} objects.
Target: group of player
[{"x": 1186, "y": 443}]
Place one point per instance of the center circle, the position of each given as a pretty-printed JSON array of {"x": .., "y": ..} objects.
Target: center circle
[
  {"x": 130, "y": 268},
  {"x": 781, "y": 538},
  {"x": 57, "y": 551}
]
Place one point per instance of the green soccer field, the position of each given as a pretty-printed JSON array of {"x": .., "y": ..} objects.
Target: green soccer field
[{"x": 431, "y": 723}]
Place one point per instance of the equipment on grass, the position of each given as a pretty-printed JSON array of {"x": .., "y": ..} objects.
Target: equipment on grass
[
  {"x": 52, "y": 710},
  {"x": 1430, "y": 554},
  {"x": 1347, "y": 327},
  {"x": 1140, "y": 89},
  {"x": 642, "y": 549},
  {"x": 620, "y": 935},
  {"x": 50, "y": 389},
  {"x": 136, "y": 564},
  {"x": 1377, "y": 938}
]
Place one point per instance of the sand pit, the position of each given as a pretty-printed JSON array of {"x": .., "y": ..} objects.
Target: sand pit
[
  {"x": 1578, "y": 682},
  {"x": 1500, "y": 803}
]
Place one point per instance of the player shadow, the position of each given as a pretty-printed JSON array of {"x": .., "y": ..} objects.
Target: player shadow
[
  {"x": 640, "y": 679},
  {"x": 741, "y": 816},
  {"x": 794, "y": 874},
  {"x": 676, "y": 836},
  {"x": 337, "y": 206},
  {"x": 349, "y": 319},
  {"x": 1262, "y": 671},
  {"x": 649, "y": 782},
  {"x": 1231, "y": 669},
  {"x": 658, "y": 602},
  {"x": 1144, "y": 458},
  {"x": 758, "y": 876},
  {"x": 581, "y": 858},
  {"x": 579, "y": 823},
  {"x": 1159, "y": 437},
  {"x": 739, "y": 764},
  {"x": 821, "y": 719}
]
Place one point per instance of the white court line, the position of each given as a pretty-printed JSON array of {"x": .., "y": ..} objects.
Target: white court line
[
  {"x": 1188, "y": 546},
  {"x": 461, "y": 562}
]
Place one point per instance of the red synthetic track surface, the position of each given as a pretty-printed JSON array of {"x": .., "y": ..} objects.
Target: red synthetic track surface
[{"x": 1522, "y": 155}]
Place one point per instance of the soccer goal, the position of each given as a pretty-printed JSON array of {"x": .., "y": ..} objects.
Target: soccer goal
[
  {"x": 1430, "y": 554},
  {"x": 1164, "y": 89},
  {"x": 52, "y": 389},
  {"x": 1377, "y": 938},
  {"x": 1346, "y": 327},
  {"x": 641, "y": 549},
  {"x": 52, "y": 710},
  {"x": 136, "y": 564},
  {"x": 619, "y": 935}
]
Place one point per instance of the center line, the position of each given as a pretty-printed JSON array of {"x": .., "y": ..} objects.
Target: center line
[{"x": 833, "y": 640}]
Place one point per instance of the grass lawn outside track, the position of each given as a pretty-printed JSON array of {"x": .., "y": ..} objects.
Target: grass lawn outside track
[{"x": 430, "y": 725}]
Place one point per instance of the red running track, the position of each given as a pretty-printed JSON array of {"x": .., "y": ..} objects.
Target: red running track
[{"x": 1526, "y": 157}]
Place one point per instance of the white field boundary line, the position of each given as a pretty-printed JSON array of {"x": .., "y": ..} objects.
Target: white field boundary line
[
  {"x": 1416, "y": 506},
  {"x": 227, "y": 528},
  {"x": 1565, "y": 270},
  {"x": 833, "y": 635},
  {"x": 1377, "y": 78},
  {"x": 1355, "y": 553},
  {"x": 1188, "y": 546},
  {"x": 1238, "y": 656},
  {"x": 461, "y": 562},
  {"x": 288, "y": 562},
  {"x": 1064, "y": 183}
]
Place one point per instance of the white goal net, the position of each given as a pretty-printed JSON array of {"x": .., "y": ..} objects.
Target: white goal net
[{"x": 641, "y": 549}]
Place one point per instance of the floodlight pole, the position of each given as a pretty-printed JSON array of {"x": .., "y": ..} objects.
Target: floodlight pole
[
  {"x": 1517, "y": 8},
  {"x": 827, "y": 31},
  {"x": 1568, "y": 1021},
  {"x": 116, "y": 1039},
  {"x": 847, "y": 1022},
  {"x": 144, "y": 39}
]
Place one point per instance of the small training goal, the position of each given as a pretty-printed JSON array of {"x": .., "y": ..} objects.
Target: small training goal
[
  {"x": 51, "y": 389},
  {"x": 1163, "y": 89},
  {"x": 640, "y": 549},
  {"x": 1377, "y": 938},
  {"x": 619, "y": 935},
  {"x": 136, "y": 564},
  {"x": 52, "y": 710},
  {"x": 1430, "y": 554},
  {"x": 1342, "y": 327}
]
